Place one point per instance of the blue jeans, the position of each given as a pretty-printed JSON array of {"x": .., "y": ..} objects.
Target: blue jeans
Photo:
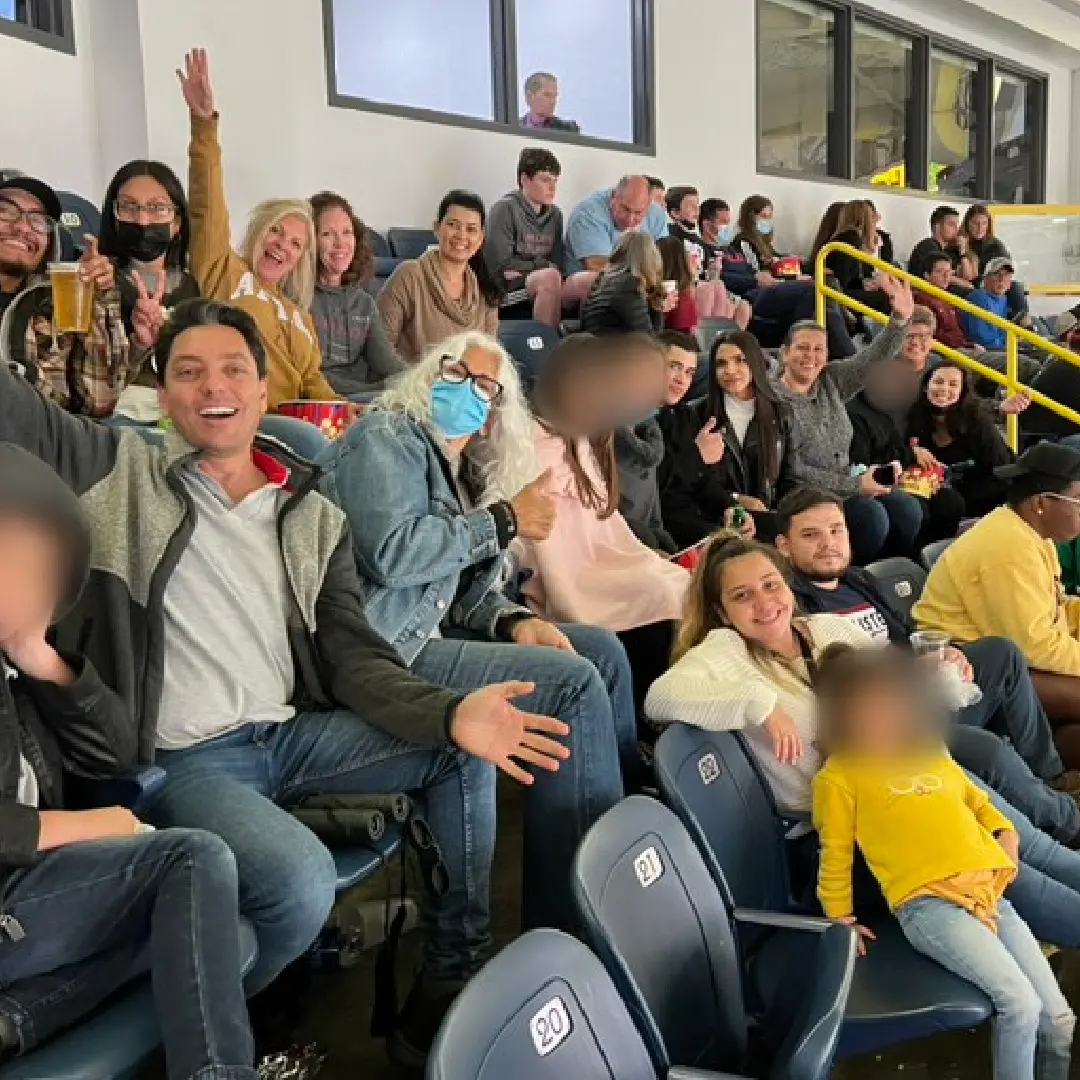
[
  {"x": 232, "y": 786},
  {"x": 590, "y": 692},
  {"x": 97, "y": 914},
  {"x": 885, "y": 525},
  {"x": 1033, "y": 1024},
  {"x": 303, "y": 439}
]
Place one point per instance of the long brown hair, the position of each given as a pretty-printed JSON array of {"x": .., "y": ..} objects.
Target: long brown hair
[
  {"x": 363, "y": 261},
  {"x": 575, "y": 354},
  {"x": 675, "y": 262},
  {"x": 857, "y": 216},
  {"x": 827, "y": 229},
  {"x": 763, "y": 247},
  {"x": 974, "y": 211},
  {"x": 638, "y": 253}
]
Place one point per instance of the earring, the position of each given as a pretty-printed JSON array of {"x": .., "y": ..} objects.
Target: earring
[{"x": 1038, "y": 509}]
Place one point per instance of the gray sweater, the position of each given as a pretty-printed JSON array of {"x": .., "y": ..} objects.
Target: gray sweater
[
  {"x": 520, "y": 239},
  {"x": 638, "y": 453},
  {"x": 357, "y": 354},
  {"x": 821, "y": 429}
]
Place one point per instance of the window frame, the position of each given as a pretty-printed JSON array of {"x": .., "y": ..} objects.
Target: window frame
[
  {"x": 53, "y": 11},
  {"x": 917, "y": 156},
  {"x": 505, "y": 84}
]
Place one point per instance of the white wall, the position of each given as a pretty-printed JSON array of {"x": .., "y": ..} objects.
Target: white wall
[{"x": 75, "y": 119}]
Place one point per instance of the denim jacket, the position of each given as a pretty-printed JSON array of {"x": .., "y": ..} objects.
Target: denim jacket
[{"x": 425, "y": 561}]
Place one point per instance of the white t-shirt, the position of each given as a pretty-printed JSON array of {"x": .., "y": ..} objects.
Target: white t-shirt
[{"x": 739, "y": 413}]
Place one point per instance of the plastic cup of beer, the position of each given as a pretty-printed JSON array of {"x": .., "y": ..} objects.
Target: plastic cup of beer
[
  {"x": 72, "y": 298},
  {"x": 930, "y": 643}
]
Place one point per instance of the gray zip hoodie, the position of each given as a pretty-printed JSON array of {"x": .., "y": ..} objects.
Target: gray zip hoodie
[
  {"x": 357, "y": 354},
  {"x": 521, "y": 239}
]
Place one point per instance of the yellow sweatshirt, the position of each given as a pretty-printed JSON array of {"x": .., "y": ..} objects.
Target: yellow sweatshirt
[
  {"x": 294, "y": 361},
  {"x": 916, "y": 821},
  {"x": 1002, "y": 579}
]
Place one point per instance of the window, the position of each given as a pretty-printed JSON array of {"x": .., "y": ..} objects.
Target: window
[
  {"x": 465, "y": 62},
  {"x": 847, "y": 93},
  {"x": 796, "y": 52},
  {"x": 45, "y": 22}
]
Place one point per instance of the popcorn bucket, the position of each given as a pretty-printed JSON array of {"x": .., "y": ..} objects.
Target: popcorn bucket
[
  {"x": 330, "y": 417},
  {"x": 787, "y": 267}
]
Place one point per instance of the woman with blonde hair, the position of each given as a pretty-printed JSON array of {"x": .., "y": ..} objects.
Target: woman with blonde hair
[
  {"x": 437, "y": 479},
  {"x": 856, "y": 225},
  {"x": 272, "y": 275},
  {"x": 628, "y": 295}
]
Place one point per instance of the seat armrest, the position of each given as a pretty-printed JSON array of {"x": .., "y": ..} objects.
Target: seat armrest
[
  {"x": 782, "y": 921},
  {"x": 129, "y": 789},
  {"x": 679, "y": 1073}
]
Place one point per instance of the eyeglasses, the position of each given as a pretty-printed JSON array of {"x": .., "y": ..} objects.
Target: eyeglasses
[
  {"x": 1061, "y": 498},
  {"x": 161, "y": 213},
  {"x": 11, "y": 213},
  {"x": 918, "y": 335},
  {"x": 484, "y": 387}
]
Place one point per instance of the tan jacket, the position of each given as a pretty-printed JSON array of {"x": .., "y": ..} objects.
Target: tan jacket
[
  {"x": 294, "y": 361},
  {"x": 418, "y": 313}
]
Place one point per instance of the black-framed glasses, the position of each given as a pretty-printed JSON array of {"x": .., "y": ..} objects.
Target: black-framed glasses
[
  {"x": 11, "y": 213},
  {"x": 484, "y": 387},
  {"x": 160, "y": 213}
]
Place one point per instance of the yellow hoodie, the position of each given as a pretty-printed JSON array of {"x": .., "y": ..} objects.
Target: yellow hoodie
[
  {"x": 294, "y": 361},
  {"x": 1002, "y": 579}
]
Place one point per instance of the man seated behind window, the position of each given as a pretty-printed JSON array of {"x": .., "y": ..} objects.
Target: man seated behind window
[{"x": 541, "y": 99}]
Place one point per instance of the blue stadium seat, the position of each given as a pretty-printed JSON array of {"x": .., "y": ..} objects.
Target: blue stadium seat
[
  {"x": 897, "y": 995},
  {"x": 380, "y": 246},
  {"x": 357, "y": 864},
  {"x": 79, "y": 218},
  {"x": 932, "y": 552},
  {"x": 410, "y": 243},
  {"x": 543, "y": 1009},
  {"x": 901, "y": 579},
  {"x": 530, "y": 344},
  {"x": 655, "y": 917}
]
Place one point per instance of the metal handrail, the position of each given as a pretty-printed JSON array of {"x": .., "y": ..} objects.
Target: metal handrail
[{"x": 1013, "y": 334}]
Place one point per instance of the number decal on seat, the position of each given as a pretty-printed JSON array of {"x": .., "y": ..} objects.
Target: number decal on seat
[
  {"x": 550, "y": 1026},
  {"x": 648, "y": 867},
  {"x": 708, "y": 768}
]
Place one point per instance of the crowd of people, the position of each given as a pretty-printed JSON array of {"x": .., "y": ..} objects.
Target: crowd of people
[{"x": 477, "y": 576}]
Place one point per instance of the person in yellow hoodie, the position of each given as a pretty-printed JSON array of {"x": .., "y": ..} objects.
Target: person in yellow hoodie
[
  {"x": 1003, "y": 578},
  {"x": 942, "y": 854},
  {"x": 272, "y": 277}
]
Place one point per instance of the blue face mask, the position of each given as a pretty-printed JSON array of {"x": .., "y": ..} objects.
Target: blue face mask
[
  {"x": 456, "y": 410},
  {"x": 725, "y": 234},
  {"x": 765, "y": 226}
]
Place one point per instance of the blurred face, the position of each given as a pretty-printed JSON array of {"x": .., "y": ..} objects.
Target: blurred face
[
  {"x": 945, "y": 387},
  {"x": 733, "y": 373},
  {"x": 336, "y": 242},
  {"x": 601, "y": 397},
  {"x": 32, "y": 573},
  {"x": 756, "y": 601},
  {"x": 460, "y": 234},
  {"x": 999, "y": 283},
  {"x": 940, "y": 274},
  {"x": 880, "y": 721},
  {"x": 281, "y": 249},
  {"x": 806, "y": 357},
  {"x": 979, "y": 226},
  {"x": 212, "y": 390},
  {"x": 949, "y": 229},
  {"x": 542, "y": 101},
  {"x": 1059, "y": 519},
  {"x": 629, "y": 207},
  {"x": 541, "y": 188},
  {"x": 681, "y": 369},
  {"x": 817, "y": 544},
  {"x": 688, "y": 211},
  {"x": 917, "y": 342},
  {"x": 23, "y": 243}
]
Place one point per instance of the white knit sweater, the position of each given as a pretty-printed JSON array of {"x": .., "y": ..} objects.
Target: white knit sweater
[{"x": 717, "y": 685}]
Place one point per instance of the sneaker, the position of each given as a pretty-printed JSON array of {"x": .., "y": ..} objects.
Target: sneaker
[
  {"x": 1068, "y": 783},
  {"x": 296, "y": 1063},
  {"x": 418, "y": 1022}
]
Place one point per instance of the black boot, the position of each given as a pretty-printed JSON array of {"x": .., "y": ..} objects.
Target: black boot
[{"x": 418, "y": 1022}]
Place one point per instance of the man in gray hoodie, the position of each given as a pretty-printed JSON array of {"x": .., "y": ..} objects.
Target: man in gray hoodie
[{"x": 524, "y": 243}]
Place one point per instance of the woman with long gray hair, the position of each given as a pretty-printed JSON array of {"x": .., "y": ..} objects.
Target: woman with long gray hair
[{"x": 437, "y": 479}]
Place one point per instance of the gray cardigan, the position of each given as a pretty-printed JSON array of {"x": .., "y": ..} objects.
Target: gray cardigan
[{"x": 821, "y": 430}]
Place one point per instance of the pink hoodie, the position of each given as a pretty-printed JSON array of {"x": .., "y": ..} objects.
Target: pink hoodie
[{"x": 591, "y": 570}]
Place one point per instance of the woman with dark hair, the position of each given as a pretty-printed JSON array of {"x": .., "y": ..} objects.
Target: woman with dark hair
[
  {"x": 957, "y": 426},
  {"x": 675, "y": 266},
  {"x": 826, "y": 229},
  {"x": 357, "y": 354},
  {"x": 729, "y": 449},
  {"x": 628, "y": 295},
  {"x": 755, "y": 236},
  {"x": 977, "y": 228},
  {"x": 855, "y": 278},
  {"x": 449, "y": 289}
]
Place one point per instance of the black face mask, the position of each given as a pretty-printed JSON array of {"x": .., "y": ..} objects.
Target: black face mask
[{"x": 144, "y": 243}]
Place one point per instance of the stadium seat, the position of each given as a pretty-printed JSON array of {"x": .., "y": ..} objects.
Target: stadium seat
[
  {"x": 357, "y": 864},
  {"x": 708, "y": 330},
  {"x": 897, "y": 995},
  {"x": 79, "y": 218},
  {"x": 655, "y": 917},
  {"x": 902, "y": 579},
  {"x": 380, "y": 246},
  {"x": 410, "y": 243},
  {"x": 932, "y": 552},
  {"x": 530, "y": 344},
  {"x": 543, "y": 1009}
]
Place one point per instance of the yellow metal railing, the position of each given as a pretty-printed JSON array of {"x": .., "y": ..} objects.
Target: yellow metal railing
[{"x": 1013, "y": 334}]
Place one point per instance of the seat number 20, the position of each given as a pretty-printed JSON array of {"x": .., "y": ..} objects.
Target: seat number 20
[{"x": 550, "y": 1026}]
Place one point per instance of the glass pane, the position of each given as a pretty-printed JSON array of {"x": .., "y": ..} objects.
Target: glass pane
[
  {"x": 881, "y": 86},
  {"x": 796, "y": 49},
  {"x": 952, "y": 123},
  {"x": 1014, "y": 137},
  {"x": 411, "y": 63},
  {"x": 7, "y": 9},
  {"x": 594, "y": 86}
]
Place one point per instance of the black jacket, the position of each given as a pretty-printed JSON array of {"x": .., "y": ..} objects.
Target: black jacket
[
  {"x": 852, "y": 274},
  {"x": 615, "y": 305},
  {"x": 810, "y": 600},
  {"x": 693, "y": 495},
  {"x": 876, "y": 439}
]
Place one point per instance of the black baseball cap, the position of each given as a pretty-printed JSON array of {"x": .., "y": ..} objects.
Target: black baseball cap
[
  {"x": 1044, "y": 459},
  {"x": 41, "y": 191}
]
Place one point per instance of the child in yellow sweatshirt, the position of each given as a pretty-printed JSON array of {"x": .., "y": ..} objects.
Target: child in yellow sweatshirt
[{"x": 940, "y": 851}]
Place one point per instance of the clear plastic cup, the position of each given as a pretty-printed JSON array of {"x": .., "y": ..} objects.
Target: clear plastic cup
[
  {"x": 72, "y": 299},
  {"x": 929, "y": 643}
]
